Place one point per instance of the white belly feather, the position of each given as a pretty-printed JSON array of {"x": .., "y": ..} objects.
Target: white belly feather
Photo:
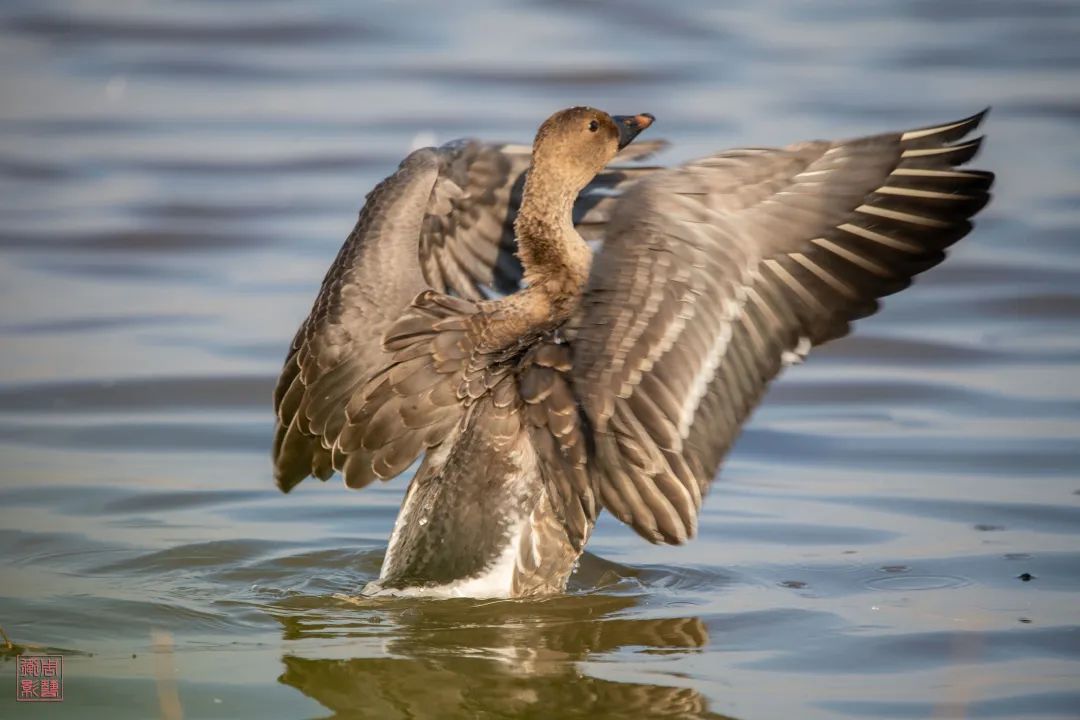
[{"x": 497, "y": 579}]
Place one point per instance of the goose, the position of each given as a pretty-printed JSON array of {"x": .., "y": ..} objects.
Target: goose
[{"x": 611, "y": 362}]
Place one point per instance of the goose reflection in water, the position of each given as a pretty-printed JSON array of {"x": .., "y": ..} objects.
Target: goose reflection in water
[{"x": 503, "y": 658}]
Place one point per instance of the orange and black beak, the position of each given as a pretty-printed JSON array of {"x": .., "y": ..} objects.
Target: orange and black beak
[{"x": 630, "y": 125}]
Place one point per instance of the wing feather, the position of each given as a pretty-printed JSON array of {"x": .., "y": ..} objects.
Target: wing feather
[
  {"x": 716, "y": 274},
  {"x": 337, "y": 347}
]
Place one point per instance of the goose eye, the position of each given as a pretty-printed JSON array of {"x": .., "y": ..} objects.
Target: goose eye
[{"x": 594, "y": 126}]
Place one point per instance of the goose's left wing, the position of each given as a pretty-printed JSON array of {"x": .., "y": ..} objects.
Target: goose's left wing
[{"x": 715, "y": 274}]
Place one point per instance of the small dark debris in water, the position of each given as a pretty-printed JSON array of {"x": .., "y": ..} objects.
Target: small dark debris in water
[
  {"x": 1026, "y": 621},
  {"x": 133, "y": 656},
  {"x": 1026, "y": 577},
  {"x": 851, "y": 552},
  {"x": 895, "y": 568},
  {"x": 795, "y": 584},
  {"x": 1017, "y": 556},
  {"x": 982, "y": 527}
]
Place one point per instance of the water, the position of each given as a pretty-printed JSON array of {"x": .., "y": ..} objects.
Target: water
[{"x": 175, "y": 179}]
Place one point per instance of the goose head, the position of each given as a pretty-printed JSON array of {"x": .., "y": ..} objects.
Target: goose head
[{"x": 575, "y": 144}]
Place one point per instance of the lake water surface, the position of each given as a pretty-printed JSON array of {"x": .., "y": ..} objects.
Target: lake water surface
[{"x": 896, "y": 535}]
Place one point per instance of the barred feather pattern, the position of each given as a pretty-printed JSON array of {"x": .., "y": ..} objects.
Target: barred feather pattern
[{"x": 715, "y": 275}]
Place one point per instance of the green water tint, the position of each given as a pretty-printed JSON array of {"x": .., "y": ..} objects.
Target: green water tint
[
  {"x": 176, "y": 178},
  {"x": 417, "y": 658}
]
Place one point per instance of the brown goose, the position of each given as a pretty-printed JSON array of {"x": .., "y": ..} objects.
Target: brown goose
[{"x": 613, "y": 379}]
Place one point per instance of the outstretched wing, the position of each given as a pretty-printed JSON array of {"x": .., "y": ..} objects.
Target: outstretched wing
[
  {"x": 713, "y": 275},
  {"x": 444, "y": 220},
  {"x": 373, "y": 278}
]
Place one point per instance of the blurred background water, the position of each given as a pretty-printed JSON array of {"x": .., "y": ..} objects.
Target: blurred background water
[{"x": 895, "y": 536}]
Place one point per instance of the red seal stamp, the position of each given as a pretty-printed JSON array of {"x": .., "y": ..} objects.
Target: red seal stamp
[{"x": 39, "y": 678}]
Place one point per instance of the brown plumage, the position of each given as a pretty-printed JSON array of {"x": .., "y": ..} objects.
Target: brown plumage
[{"x": 618, "y": 379}]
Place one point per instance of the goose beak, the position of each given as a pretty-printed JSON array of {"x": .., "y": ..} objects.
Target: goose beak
[{"x": 630, "y": 126}]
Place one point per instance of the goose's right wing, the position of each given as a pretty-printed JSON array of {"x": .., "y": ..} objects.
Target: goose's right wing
[
  {"x": 371, "y": 281},
  {"x": 715, "y": 274}
]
